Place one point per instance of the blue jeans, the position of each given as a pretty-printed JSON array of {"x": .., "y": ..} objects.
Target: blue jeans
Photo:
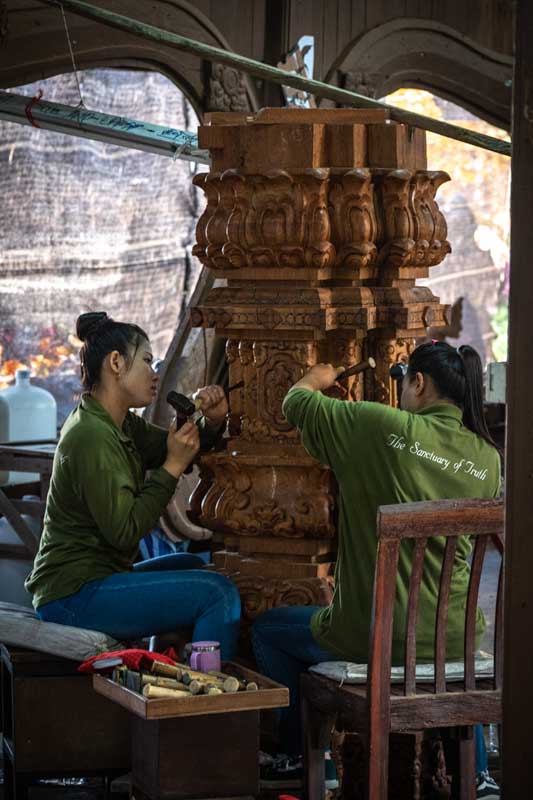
[
  {"x": 284, "y": 648},
  {"x": 158, "y": 596}
]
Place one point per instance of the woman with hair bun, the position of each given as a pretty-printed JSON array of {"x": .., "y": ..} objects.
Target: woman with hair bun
[
  {"x": 436, "y": 447},
  {"x": 101, "y": 504}
]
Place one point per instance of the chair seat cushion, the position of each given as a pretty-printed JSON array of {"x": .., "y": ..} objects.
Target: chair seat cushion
[
  {"x": 348, "y": 672},
  {"x": 20, "y": 626}
]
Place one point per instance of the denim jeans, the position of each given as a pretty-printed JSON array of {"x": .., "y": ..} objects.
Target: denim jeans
[
  {"x": 284, "y": 648},
  {"x": 158, "y": 596}
]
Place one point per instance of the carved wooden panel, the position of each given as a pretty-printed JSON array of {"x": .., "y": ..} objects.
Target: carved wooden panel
[
  {"x": 289, "y": 496},
  {"x": 261, "y": 594},
  {"x": 227, "y": 89}
]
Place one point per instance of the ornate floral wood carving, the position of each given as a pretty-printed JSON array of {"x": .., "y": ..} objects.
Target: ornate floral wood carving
[
  {"x": 358, "y": 220},
  {"x": 353, "y": 218},
  {"x": 383, "y": 389},
  {"x": 271, "y": 221},
  {"x": 227, "y": 91},
  {"x": 262, "y": 594},
  {"x": 239, "y": 494},
  {"x": 320, "y": 263}
]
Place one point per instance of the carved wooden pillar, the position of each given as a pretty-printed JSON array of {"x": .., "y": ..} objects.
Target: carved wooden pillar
[{"x": 320, "y": 221}]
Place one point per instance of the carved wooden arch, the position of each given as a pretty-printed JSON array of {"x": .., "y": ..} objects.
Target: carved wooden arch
[
  {"x": 34, "y": 47},
  {"x": 428, "y": 55}
]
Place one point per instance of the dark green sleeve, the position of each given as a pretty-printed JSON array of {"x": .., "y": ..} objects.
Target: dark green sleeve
[
  {"x": 122, "y": 514},
  {"x": 323, "y": 423},
  {"x": 333, "y": 431},
  {"x": 150, "y": 440}
]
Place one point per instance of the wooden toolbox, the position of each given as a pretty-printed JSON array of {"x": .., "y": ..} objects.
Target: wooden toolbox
[
  {"x": 196, "y": 747},
  {"x": 269, "y": 695}
]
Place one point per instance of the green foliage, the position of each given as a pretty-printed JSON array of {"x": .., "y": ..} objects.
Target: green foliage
[{"x": 499, "y": 324}]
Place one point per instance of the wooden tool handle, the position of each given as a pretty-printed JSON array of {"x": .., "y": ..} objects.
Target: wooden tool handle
[
  {"x": 249, "y": 686},
  {"x": 368, "y": 364},
  {"x": 160, "y": 691},
  {"x": 234, "y": 386},
  {"x": 160, "y": 668},
  {"x": 165, "y": 683}
]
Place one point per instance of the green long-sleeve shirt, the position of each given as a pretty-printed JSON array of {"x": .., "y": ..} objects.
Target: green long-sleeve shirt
[
  {"x": 381, "y": 455},
  {"x": 100, "y": 505}
]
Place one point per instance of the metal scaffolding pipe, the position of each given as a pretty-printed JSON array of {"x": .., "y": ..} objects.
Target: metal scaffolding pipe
[
  {"x": 269, "y": 73},
  {"x": 108, "y": 128}
]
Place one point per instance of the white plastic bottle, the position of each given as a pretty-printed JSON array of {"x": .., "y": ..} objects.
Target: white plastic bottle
[{"x": 27, "y": 414}]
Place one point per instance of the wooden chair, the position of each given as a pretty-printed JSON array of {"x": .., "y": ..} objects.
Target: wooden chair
[{"x": 379, "y": 708}]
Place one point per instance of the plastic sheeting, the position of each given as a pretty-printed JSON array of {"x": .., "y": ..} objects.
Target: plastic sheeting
[{"x": 89, "y": 226}]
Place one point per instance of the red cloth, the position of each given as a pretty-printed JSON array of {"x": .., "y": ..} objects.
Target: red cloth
[{"x": 134, "y": 659}]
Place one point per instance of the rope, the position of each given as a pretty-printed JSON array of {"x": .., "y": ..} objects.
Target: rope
[
  {"x": 178, "y": 151},
  {"x": 81, "y": 104}
]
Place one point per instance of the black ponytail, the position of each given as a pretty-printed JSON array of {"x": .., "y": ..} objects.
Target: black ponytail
[
  {"x": 101, "y": 335},
  {"x": 458, "y": 376}
]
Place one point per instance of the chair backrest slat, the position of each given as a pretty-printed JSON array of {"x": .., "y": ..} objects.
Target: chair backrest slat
[
  {"x": 498, "y": 622},
  {"x": 441, "y": 626},
  {"x": 476, "y": 568},
  {"x": 412, "y": 615},
  {"x": 379, "y": 665},
  {"x": 419, "y": 522}
]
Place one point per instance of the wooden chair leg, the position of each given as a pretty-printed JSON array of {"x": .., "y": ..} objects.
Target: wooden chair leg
[
  {"x": 378, "y": 762},
  {"x": 461, "y": 758},
  {"x": 354, "y": 767},
  {"x": 467, "y": 764},
  {"x": 316, "y": 730}
]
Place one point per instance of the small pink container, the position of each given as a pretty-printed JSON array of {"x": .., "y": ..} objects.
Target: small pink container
[{"x": 205, "y": 656}]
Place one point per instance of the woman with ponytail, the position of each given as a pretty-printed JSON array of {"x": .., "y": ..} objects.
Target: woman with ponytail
[
  {"x": 113, "y": 475},
  {"x": 436, "y": 446},
  {"x": 457, "y": 377}
]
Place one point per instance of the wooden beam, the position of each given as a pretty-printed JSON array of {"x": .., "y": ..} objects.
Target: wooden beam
[
  {"x": 269, "y": 73},
  {"x": 518, "y": 643}
]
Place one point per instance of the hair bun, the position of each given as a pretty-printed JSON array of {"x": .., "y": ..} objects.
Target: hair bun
[{"x": 89, "y": 323}]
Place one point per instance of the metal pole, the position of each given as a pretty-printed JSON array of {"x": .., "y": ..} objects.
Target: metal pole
[
  {"x": 269, "y": 73},
  {"x": 108, "y": 128}
]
